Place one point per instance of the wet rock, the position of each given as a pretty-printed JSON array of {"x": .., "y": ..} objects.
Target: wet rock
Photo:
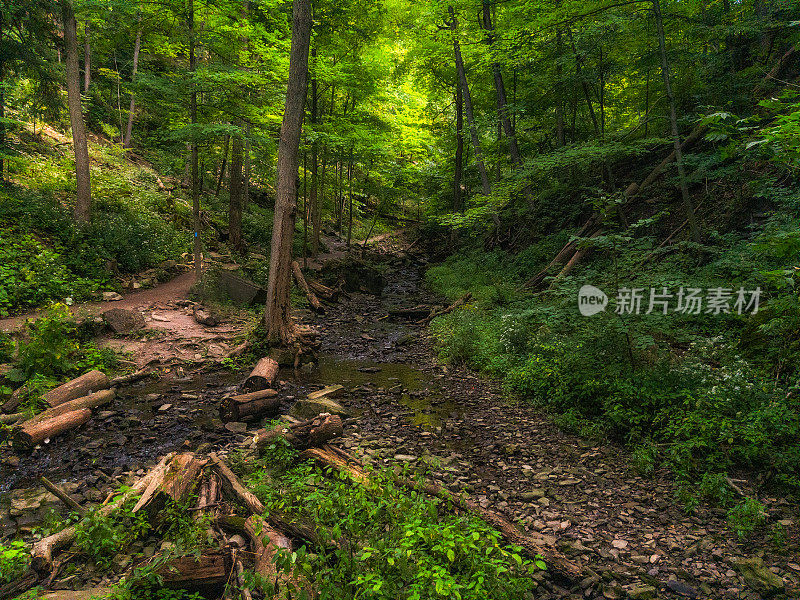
[
  {"x": 757, "y": 576},
  {"x": 642, "y": 592},
  {"x": 682, "y": 589},
  {"x": 308, "y": 408},
  {"x": 236, "y": 427}
]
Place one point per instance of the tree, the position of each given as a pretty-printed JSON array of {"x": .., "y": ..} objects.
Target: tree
[
  {"x": 277, "y": 313},
  {"x": 83, "y": 201},
  {"x": 235, "y": 192}
]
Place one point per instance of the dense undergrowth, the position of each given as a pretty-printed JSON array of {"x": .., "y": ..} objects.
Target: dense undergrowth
[{"x": 705, "y": 394}]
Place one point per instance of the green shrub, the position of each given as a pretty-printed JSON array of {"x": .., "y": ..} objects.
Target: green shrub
[
  {"x": 14, "y": 560},
  {"x": 746, "y": 517}
]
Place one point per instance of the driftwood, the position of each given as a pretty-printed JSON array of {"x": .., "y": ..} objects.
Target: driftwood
[
  {"x": 43, "y": 550},
  {"x": 246, "y": 407},
  {"x": 29, "y": 435},
  {"x": 438, "y": 313},
  {"x": 81, "y": 386},
  {"x": 210, "y": 568},
  {"x": 131, "y": 377},
  {"x": 176, "y": 481},
  {"x": 532, "y": 544},
  {"x": 306, "y": 434},
  {"x": 301, "y": 283},
  {"x": 62, "y": 495},
  {"x": 262, "y": 376},
  {"x": 100, "y": 398}
]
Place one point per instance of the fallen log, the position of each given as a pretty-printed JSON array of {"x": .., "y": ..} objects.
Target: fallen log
[
  {"x": 12, "y": 418},
  {"x": 100, "y": 398},
  {"x": 246, "y": 407},
  {"x": 323, "y": 291},
  {"x": 13, "y": 401},
  {"x": 12, "y": 589},
  {"x": 438, "y": 313},
  {"x": 316, "y": 305},
  {"x": 562, "y": 257},
  {"x": 28, "y": 436},
  {"x": 209, "y": 569},
  {"x": 533, "y": 545},
  {"x": 42, "y": 551},
  {"x": 416, "y": 312},
  {"x": 306, "y": 434},
  {"x": 62, "y": 495},
  {"x": 176, "y": 481},
  {"x": 132, "y": 377},
  {"x": 81, "y": 386},
  {"x": 262, "y": 376}
]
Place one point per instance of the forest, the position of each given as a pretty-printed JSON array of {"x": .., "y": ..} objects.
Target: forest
[{"x": 474, "y": 300}]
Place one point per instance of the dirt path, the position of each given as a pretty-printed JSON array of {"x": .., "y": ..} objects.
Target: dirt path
[{"x": 627, "y": 532}]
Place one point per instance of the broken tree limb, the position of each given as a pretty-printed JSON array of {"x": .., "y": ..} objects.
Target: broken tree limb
[
  {"x": 210, "y": 568},
  {"x": 262, "y": 376},
  {"x": 249, "y": 406},
  {"x": 84, "y": 385},
  {"x": 100, "y": 398},
  {"x": 12, "y": 418},
  {"x": 438, "y": 313},
  {"x": 576, "y": 257},
  {"x": 62, "y": 495},
  {"x": 305, "y": 434},
  {"x": 28, "y": 436},
  {"x": 177, "y": 480},
  {"x": 416, "y": 312},
  {"x": 14, "y": 588},
  {"x": 323, "y": 291},
  {"x": 327, "y": 457},
  {"x": 131, "y": 377},
  {"x": 301, "y": 283},
  {"x": 563, "y": 255},
  {"x": 14, "y": 400},
  {"x": 42, "y": 551}
]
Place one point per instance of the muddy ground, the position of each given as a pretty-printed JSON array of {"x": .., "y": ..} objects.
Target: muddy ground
[{"x": 629, "y": 533}]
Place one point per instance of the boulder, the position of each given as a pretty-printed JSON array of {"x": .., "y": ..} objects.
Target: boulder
[
  {"x": 123, "y": 320},
  {"x": 111, "y": 297},
  {"x": 642, "y": 592},
  {"x": 757, "y": 577}
]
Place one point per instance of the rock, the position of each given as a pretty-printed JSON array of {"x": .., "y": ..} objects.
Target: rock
[
  {"x": 532, "y": 495},
  {"x": 236, "y": 427},
  {"x": 308, "y": 408},
  {"x": 405, "y": 457},
  {"x": 619, "y": 544},
  {"x": 682, "y": 589},
  {"x": 642, "y": 592},
  {"x": 87, "y": 594},
  {"x": 204, "y": 316},
  {"x": 164, "y": 407},
  {"x": 757, "y": 576},
  {"x": 325, "y": 392},
  {"x": 111, "y": 297},
  {"x": 123, "y": 320}
]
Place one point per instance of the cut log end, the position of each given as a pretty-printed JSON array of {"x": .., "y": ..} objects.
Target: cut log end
[{"x": 263, "y": 375}]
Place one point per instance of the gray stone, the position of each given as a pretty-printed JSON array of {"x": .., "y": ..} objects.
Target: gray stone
[
  {"x": 111, "y": 297},
  {"x": 236, "y": 427},
  {"x": 308, "y": 408},
  {"x": 757, "y": 576},
  {"x": 532, "y": 495},
  {"x": 123, "y": 320},
  {"x": 405, "y": 457}
]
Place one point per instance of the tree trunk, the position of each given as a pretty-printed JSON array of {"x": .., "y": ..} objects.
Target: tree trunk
[
  {"x": 487, "y": 189},
  {"x": 687, "y": 202},
  {"x": 500, "y": 90},
  {"x": 87, "y": 58},
  {"x": 247, "y": 169},
  {"x": 459, "y": 166},
  {"x": 198, "y": 263},
  {"x": 262, "y": 376},
  {"x": 223, "y": 166},
  {"x": 235, "y": 189},
  {"x": 28, "y": 437},
  {"x": 249, "y": 406},
  {"x": 126, "y": 142},
  {"x": 77, "y": 388},
  {"x": 350, "y": 198},
  {"x": 315, "y": 211},
  {"x": 560, "y": 141},
  {"x": 2, "y": 104},
  {"x": 83, "y": 202}
]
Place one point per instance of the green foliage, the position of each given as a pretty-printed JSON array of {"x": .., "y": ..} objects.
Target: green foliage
[
  {"x": 407, "y": 545},
  {"x": 746, "y": 517},
  {"x": 14, "y": 559},
  {"x": 101, "y": 537}
]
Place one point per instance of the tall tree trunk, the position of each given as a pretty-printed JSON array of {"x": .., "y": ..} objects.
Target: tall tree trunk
[
  {"x": 305, "y": 206},
  {"x": 223, "y": 166},
  {"x": 459, "y": 167},
  {"x": 500, "y": 90},
  {"x": 476, "y": 143},
  {"x": 198, "y": 247},
  {"x": 247, "y": 169},
  {"x": 350, "y": 198},
  {"x": 83, "y": 202},
  {"x": 316, "y": 219},
  {"x": 277, "y": 313},
  {"x": 3, "y": 104},
  {"x": 687, "y": 202},
  {"x": 87, "y": 58},
  {"x": 235, "y": 193},
  {"x": 126, "y": 141},
  {"x": 584, "y": 85},
  {"x": 560, "y": 141}
]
